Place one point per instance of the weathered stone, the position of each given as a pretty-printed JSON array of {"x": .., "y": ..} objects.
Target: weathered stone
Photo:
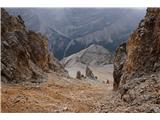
[
  {"x": 138, "y": 76},
  {"x": 78, "y": 76},
  {"x": 143, "y": 52},
  {"x": 89, "y": 73},
  {"x": 25, "y": 54},
  {"x": 119, "y": 59}
]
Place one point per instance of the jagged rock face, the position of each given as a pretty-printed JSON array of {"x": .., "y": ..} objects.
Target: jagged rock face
[
  {"x": 143, "y": 47},
  {"x": 142, "y": 50},
  {"x": 119, "y": 60},
  {"x": 89, "y": 73},
  {"x": 25, "y": 53},
  {"x": 139, "y": 78},
  {"x": 105, "y": 26}
]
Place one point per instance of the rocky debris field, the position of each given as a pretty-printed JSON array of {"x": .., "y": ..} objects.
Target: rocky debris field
[
  {"x": 65, "y": 94},
  {"x": 58, "y": 94}
]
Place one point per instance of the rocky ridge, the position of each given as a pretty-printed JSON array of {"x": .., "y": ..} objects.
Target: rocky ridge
[
  {"x": 70, "y": 30},
  {"x": 137, "y": 67},
  {"x": 25, "y": 54},
  {"x": 93, "y": 55}
]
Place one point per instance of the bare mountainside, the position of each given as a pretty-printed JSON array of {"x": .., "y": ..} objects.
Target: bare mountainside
[
  {"x": 70, "y": 30},
  {"x": 137, "y": 66},
  {"x": 95, "y": 56},
  {"x": 33, "y": 81},
  {"x": 136, "y": 73},
  {"x": 25, "y": 54}
]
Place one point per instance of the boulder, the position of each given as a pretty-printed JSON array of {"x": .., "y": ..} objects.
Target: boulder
[
  {"x": 89, "y": 73},
  {"x": 78, "y": 76}
]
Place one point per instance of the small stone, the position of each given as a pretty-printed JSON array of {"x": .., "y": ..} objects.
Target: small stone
[
  {"x": 126, "y": 98},
  {"x": 146, "y": 97},
  {"x": 155, "y": 109}
]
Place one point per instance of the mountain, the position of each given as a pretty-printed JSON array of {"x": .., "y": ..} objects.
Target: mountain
[
  {"x": 25, "y": 54},
  {"x": 77, "y": 28},
  {"x": 137, "y": 66},
  {"x": 93, "y": 56},
  {"x": 33, "y": 80}
]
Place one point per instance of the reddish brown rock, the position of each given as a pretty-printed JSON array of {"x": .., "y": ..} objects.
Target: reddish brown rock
[
  {"x": 119, "y": 60},
  {"x": 141, "y": 54},
  {"x": 25, "y": 54},
  {"x": 143, "y": 47},
  {"x": 138, "y": 77}
]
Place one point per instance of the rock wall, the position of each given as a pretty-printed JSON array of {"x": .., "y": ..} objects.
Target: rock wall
[
  {"x": 143, "y": 47},
  {"x": 142, "y": 50},
  {"x": 119, "y": 60},
  {"x": 24, "y": 54},
  {"x": 137, "y": 73}
]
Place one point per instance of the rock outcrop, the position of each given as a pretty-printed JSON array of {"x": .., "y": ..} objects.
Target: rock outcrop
[
  {"x": 143, "y": 47},
  {"x": 89, "y": 73},
  {"x": 78, "y": 76},
  {"x": 119, "y": 60},
  {"x": 142, "y": 54},
  {"x": 25, "y": 53},
  {"x": 106, "y": 26},
  {"x": 136, "y": 73}
]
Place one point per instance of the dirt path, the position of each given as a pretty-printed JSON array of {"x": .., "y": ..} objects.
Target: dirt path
[{"x": 58, "y": 94}]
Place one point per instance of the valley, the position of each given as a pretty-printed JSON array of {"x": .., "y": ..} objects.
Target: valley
[
  {"x": 91, "y": 79},
  {"x": 58, "y": 94}
]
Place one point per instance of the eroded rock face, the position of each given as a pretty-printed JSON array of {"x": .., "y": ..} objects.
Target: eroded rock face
[
  {"x": 119, "y": 60},
  {"x": 25, "y": 53},
  {"x": 78, "y": 76},
  {"x": 142, "y": 50},
  {"x": 143, "y": 47},
  {"x": 139, "y": 72},
  {"x": 89, "y": 73}
]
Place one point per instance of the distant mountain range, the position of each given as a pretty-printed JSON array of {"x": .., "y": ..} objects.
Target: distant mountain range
[
  {"x": 94, "y": 55},
  {"x": 70, "y": 30}
]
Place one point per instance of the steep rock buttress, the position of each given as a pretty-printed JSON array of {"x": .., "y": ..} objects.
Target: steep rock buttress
[
  {"x": 137, "y": 67},
  {"x": 24, "y": 54}
]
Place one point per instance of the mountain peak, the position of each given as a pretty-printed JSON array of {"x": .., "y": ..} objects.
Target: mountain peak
[{"x": 93, "y": 55}]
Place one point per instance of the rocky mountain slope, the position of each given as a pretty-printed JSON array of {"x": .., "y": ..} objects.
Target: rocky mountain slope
[
  {"x": 93, "y": 56},
  {"x": 136, "y": 74},
  {"x": 137, "y": 66},
  {"x": 58, "y": 94},
  {"x": 77, "y": 28},
  {"x": 25, "y": 55}
]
